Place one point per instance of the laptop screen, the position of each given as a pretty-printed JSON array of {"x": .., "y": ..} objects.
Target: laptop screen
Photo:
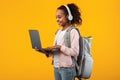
[{"x": 35, "y": 39}]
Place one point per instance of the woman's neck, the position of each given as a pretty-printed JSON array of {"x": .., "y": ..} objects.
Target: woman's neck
[{"x": 66, "y": 26}]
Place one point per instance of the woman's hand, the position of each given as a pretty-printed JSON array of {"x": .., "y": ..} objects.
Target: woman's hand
[
  {"x": 48, "y": 48},
  {"x": 56, "y": 47},
  {"x": 46, "y": 54}
]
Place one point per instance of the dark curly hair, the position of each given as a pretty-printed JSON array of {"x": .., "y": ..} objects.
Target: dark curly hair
[{"x": 74, "y": 11}]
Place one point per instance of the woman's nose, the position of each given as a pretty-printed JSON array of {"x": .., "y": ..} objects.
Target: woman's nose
[{"x": 57, "y": 19}]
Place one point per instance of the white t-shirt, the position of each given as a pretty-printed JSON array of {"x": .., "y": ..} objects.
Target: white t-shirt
[{"x": 59, "y": 36}]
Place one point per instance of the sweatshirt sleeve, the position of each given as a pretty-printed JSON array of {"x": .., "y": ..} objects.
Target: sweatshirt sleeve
[{"x": 74, "y": 50}]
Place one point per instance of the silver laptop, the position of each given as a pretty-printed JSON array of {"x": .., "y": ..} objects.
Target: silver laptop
[{"x": 35, "y": 42}]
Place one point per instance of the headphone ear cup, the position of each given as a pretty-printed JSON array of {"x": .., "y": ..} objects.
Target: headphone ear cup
[
  {"x": 70, "y": 18},
  {"x": 67, "y": 17}
]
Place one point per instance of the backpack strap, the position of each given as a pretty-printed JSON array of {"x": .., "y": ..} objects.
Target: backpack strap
[
  {"x": 68, "y": 44},
  {"x": 67, "y": 36}
]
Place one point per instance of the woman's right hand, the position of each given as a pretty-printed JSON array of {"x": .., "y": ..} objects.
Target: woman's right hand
[{"x": 48, "y": 54}]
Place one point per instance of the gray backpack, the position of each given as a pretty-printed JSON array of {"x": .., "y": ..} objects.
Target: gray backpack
[{"x": 83, "y": 65}]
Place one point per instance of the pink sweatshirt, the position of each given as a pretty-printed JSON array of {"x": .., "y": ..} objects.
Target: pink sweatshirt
[{"x": 65, "y": 59}]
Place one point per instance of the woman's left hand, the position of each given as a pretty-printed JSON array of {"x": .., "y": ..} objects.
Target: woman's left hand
[{"x": 56, "y": 47}]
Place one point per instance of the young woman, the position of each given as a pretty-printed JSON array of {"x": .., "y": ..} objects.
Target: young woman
[{"x": 67, "y": 16}]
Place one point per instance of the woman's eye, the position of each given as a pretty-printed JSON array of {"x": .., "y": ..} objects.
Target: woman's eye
[{"x": 58, "y": 17}]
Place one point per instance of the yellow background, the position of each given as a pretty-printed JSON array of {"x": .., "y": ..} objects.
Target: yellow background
[{"x": 18, "y": 61}]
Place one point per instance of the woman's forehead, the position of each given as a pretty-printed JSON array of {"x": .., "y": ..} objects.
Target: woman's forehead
[{"x": 59, "y": 11}]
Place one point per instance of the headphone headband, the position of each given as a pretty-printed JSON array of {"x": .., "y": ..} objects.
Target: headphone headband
[{"x": 70, "y": 17}]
